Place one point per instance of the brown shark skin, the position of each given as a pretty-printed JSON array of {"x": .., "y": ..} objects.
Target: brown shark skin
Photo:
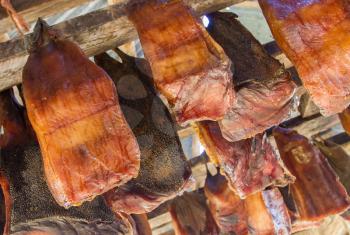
[
  {"x": 228, "y": 209},
  {"x": 189, "y": 68},
  {"x": 317, "y": 191},
  {"x": 87, "y": 146},
  {"x": 11, "y": 121},
  {"x": 191, "y": 215},
  {"x": 314, "y": 35},
  {"x": 260, "y": 213},
  {"x": 164, "y": 171},
  {"x": 249, "y": 165},
  {"x": 345, "y": 119},
  {"x": 264, "y": 89}
]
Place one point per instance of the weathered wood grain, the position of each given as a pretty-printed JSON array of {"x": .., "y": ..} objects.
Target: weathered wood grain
[
  {"x": 95, "y": 32},
  {"x": 307, "y": 107},
  {"x": 31, "y": 10},
  {"x": 4, "y": 37}
]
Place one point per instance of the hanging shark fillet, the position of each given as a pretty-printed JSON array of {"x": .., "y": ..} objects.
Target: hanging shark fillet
[
  {"x": 190, "y": 69},
  {"x": 12, "y": 124},
  {"x": 191, "y": 215},
  {"x": 345, "y": 119},
  {"x": 267, "y": 213},
  {"x": 260, "y": 213},
  {"x": 249, "y": 165},
  {"x": 142, "y": 225},
  {"x": 317, "y": 191},
  {"x": 264, "y": 89},
  {"x": 340, "y": 162},
  {"x": 33, "y": 209},
  {"x": 87, "y": 146},
  {"x": 164, "y": 172},
  {"x": 227, "y": 208},
  {"x": 297, "y": 223},
  {"x": 314, "y": 34}
]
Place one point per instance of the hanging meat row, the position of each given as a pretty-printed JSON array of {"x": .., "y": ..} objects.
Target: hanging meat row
[{"x": 96, "y": 144}]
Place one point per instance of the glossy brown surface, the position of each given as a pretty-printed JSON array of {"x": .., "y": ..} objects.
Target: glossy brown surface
[
  {"x": 191, "y": 216},
  {"x": 264, "y": 89},
  {"x": 340, "y": 162},
  {"x": 190, "y": 69},
  {"x": 345, "y": 119},
  {"x": 249, "y": 165},
  {"x": 314, "y": 34},
  {"x": 164, "y": 171},
  {"x": 87, "y": 146},
  {"x": 7, "y": 203},
  {"x": 228, "y": 209},
  {"x": 267, "y": 214},
  {"x": 142, "y": 225},
  {"x": 13, "y": 131},
  {"x": 260, "y": 213},
  {"x": 317, "y": 191}
]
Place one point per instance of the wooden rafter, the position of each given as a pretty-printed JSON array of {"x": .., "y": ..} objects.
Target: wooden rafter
[
  {"x": 95, "y": 32},
  {"x": 31, "y": 10}
]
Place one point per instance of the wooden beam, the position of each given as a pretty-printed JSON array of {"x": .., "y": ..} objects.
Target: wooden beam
[
  {"x": 4, "y": 37},
  {"x": 31, "y": 10},
  {"x": 95, "y": 32},
  {"x": 307, "y": 107}
]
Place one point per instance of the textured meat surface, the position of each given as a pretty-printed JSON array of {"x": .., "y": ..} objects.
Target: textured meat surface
[
  {"x": 191, "y": 216},
  {"x": 190, "y": 69},
  {"x": 34, "y": 209},
  {"x": 164, "y": 171},
  {"x": 260, "y": 213},
  {"x": 250, "y": 165},
  {"x": 12, "y": 124},
  {"x": 267, "y": 213},
  {"x": 142, "y": 225},
  {"x": 314, "y": 34},
  {"x": 317, "y": 191},
  {"x": 264, "y": 89},
  {"x": 345, "y": 119},
  {"x": 228, "y": 209},
  {"x": 278, "y": 210},
  {"x": 87, "y": 146}
]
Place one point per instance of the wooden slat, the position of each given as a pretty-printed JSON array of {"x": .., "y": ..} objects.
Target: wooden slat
[
  {"x": 31, "y": 10},
  {"x": 4, "y": 37},
  {"x": 95, "y": 32},
  {"x": 307, "y": 107}
]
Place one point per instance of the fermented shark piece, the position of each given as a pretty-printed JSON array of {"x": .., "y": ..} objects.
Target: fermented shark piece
[
  {"x": 267, "y": 213},
  {"x": 297, "y": 223},
  {"x": 191, "y": 215},
  {"x": 190, "y": 69},
  {"x": 87, "y": 146},
  {"x": 164, "y": 172},
  {"x": 317, "y": 191},
  {"x": 142, "y": 225},
  {"x": 345, "y": 119},
  {"x": 249, "y": 165},
  {"x": 227, "y": 208},
  {"x": 314, "y": 35},
  {"x": 260, "y": 213},
  {"x": 33, "y": 209},
  {"x": 264, "y": 89},
  {"x": 340, "y": 162},
  {"x": 12, "y": 124}
]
